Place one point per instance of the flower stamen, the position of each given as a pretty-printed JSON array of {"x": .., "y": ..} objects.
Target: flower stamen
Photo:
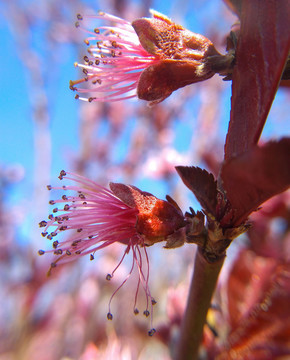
[
  {"x": 124, "y": 56},
  {"x": 95, "y": 218}
]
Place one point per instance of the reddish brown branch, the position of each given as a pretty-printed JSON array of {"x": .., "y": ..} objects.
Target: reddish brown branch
[{"x": 201, "y": 290}]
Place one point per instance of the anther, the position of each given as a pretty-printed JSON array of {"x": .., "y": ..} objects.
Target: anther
[
  {"x": 58, "y": 252},
  {"x": 72, "y": 83},
  {"x": 64, "y": 197},
  {"x": 91, "y": 99},
  {"x": 68, "y": 252},
  {"x": 74, "y": 243},
  {"x": 79, "y": 230},
  {"x": 78, "y": 252},
  {"x": 66, "y": 207},
  {"x": 62, "y": 174},
  {"x": 77, "y": 96},
  {"x": 136, "y": 311},
  {"x": 97, "y": 31},
  {"x": 109, "y": 316},
  {"x": 79, "y": 17},
  {"x": 49, "y": 187},
  {"x": 55, "y": 210},
  {"x": 51, "y": 202},
  {"x": 153, "y": 301},
  {"x": 53, "y": 265},
  {"x": 101, "y": 13},
  {"x": 92, "y": 257},
  {"x": 42, "y": 223},
  {"x": 146, "y": 313},
  {"x": 86, "y": 42},
  {"x": 77, "y": 24},
  {"x": 151, "y": 332},
  {"x": 44, "y": 234},
  {"x": 41, "y": 252},
  {"x": 50, "y": 216},
  {"x": 108, "y": 277},
  {"x": 97, "y": 62},
  {"x": 55, "y": 244}
]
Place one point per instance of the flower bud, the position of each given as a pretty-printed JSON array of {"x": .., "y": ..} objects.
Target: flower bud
[
  {"x": 157, "y": 219},
  {"x": 183, "y": 57}
]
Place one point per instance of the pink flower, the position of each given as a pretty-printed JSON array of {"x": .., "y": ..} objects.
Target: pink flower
[
  {"x": 149, "y": 58},
  {"x": 98, "y": 217}
]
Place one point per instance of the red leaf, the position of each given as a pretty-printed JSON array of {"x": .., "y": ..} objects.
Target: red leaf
[
  {"x": 248, "y": 282},
  {"x": 258, "y": 304},
  {"x": 255, "y": 176},
  {"x": 202, "y": 184},
  {"x": 261, "y": 53}
]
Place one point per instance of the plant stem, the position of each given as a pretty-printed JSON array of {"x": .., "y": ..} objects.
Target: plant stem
[{"x": 203, "y": 284}]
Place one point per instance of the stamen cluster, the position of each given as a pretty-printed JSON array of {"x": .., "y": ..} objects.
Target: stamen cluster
[
  {"x": 96, "y": 218},
  {"x": 114, "y": 62}
]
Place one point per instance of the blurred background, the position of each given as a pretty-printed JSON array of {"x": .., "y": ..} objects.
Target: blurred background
[{"x": 43, "y": 130}]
